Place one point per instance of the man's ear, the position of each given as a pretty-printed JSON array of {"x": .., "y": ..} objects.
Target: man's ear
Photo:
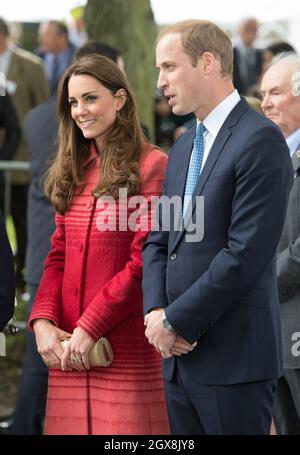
[
  {"x": 121, "y": 97},
  {"x": 207, "y": 61}
]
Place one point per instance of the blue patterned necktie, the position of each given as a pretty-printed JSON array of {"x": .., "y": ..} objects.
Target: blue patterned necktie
[{"x": 195, "y": 166}]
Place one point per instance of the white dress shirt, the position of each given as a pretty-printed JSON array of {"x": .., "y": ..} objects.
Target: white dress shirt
[
  {"x": 214, "y": 121},
  {"x": 293, "y": 141}
]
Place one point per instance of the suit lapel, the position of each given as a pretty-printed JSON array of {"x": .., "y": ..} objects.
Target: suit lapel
[
  {"x": 217, "y": 148},
  {"x": 296, "y": 159},
  {"x": 183, "y": 165},
  {"x": 13, "y": 69}
]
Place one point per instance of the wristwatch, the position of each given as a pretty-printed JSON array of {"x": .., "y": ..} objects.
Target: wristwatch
[{"x": 166, "y": 323}]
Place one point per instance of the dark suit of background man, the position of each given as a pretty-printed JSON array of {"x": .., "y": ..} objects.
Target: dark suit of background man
[
  {"x": 27, "y": 85},
  {"x": 40, "y": 131},
  {"x": 10, "y": 137},
  {"x": 247, "y": 60},
  {"x": 7, "y": 277},
  {"x": 220, "y": 292},
  {"x": 281, "y": 103}
]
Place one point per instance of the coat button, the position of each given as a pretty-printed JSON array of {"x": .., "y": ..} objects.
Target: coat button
[
  {"x": 89, "y": 204},
  {"x": 173, "y": 256},
  {"x": 80, "y": 246},
  {"x": 76, "y": 291}
]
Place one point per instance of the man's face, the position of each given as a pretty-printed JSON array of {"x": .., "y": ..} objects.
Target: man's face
[
  {"x": 48, "y": 38},
  {"x": 178, "y": 78},
  {"x": 279, "y": 104},
  {"x": 248, "y": 32}
]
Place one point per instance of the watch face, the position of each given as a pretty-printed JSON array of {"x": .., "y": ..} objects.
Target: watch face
[{"x": 166, "y": 323}]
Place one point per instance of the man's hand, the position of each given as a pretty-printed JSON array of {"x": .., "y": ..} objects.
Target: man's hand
[
  {"x": 181, "y": 346},
  {"x": 47, "y": 340},
  {"x": 157, "y": 335},
  {"x": 160, "y": 337}
]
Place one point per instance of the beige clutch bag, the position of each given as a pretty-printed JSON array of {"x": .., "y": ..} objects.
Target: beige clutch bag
[{"x": 101, "y": 353}]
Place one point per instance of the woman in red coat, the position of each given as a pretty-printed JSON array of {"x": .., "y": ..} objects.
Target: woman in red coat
[{"x": 91, "y": 285}]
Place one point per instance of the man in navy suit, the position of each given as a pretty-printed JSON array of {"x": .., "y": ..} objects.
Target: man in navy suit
[
  {"x": 7, "y": 277},
  {"x": 211, "y": 303}
]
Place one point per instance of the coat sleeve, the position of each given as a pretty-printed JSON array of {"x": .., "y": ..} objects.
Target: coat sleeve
[
  {"x": 122, "y": 295},
  {"x": 288, "y": 270},
  {"x": 48, "y": 298},
  {"x": 7, "y": 277},
  {"x": 155, "y": 258}
]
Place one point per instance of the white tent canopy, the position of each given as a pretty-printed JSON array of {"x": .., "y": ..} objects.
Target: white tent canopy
[
  {"x": 227, "y": 13},
  {"x": 165, "y": 11},
  {"x": 37, "y": 11}
]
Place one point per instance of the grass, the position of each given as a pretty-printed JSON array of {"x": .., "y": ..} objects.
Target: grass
[{"x": 11, "y": 233}]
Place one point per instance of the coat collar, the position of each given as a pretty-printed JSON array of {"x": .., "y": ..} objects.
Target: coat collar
[{"x": 93, "y": 154}]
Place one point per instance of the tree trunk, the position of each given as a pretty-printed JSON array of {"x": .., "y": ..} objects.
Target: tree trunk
[{"x": 129, "y": 26}]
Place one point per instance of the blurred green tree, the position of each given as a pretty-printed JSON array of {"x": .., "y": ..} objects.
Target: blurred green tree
[{"x": 129, "y": 26}]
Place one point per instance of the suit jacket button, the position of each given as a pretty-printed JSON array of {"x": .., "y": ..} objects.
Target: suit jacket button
[{"x": 173, "y": 256}]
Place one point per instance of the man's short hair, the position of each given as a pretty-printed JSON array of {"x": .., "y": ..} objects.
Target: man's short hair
[
  {"x": 199, "y": 36},
  {"x": 60, "y": 26},
  {"x": 280, "y": 47},
  {"x": 94, "y": 47}
]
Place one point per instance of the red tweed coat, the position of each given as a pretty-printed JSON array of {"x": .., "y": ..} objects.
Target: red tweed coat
[{"x": 92, "y": 279}]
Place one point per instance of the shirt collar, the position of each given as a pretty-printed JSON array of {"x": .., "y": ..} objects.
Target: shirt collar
[
  {"x": 215, "y": 119},
  {"x": 293, "y": 141}
]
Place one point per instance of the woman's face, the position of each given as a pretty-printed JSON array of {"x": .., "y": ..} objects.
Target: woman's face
[{"x": 93, "y": 106}]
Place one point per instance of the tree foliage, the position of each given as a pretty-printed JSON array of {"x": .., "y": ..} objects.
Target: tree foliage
[{"x": 129, "y": 26}]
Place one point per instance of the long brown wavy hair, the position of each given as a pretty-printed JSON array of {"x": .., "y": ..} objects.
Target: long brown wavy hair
[{"x": 121, "y": 153}]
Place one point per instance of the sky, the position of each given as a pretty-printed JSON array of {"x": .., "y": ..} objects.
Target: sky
[
  {"x": 165, "y": 11},
  {"x": 168, "y": 11}
]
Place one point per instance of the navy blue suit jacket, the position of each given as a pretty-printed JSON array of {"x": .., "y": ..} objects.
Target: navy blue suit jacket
[
  {"x": 7, "y": 277},
  {"x": 222, "y": 291}
]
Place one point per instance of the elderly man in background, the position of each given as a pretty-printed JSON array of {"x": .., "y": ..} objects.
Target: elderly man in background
[{"x": 280, "y": 88}]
